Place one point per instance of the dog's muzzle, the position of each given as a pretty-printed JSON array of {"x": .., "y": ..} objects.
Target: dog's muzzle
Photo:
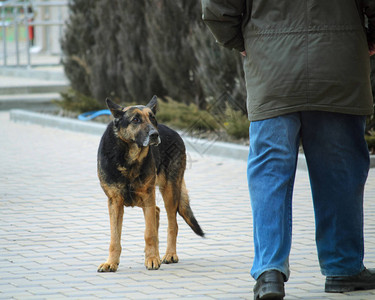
[
  {"x": 155, "y": 139},
  {"x": 152, "y": 139}
]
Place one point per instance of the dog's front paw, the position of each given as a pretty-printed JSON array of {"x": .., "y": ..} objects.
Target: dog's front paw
[
  {"x": 170, "y": 258},
  {"x": 108, "y": 267},
  {"x": 152, "y": 262}
]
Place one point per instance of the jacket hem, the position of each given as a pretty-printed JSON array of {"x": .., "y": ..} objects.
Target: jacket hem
[{"x": 279, "y": 112}]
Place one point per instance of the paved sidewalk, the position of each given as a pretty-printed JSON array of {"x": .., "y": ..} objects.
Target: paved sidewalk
[{"x": 54, "y": 228}]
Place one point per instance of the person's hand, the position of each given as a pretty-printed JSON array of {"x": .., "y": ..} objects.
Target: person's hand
[
  {"x": 371, "y": 50},
  {"x": 243, "y": 53}
]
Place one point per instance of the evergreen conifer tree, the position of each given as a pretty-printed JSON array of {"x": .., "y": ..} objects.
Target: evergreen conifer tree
[
  {"x": 107, "y": 66},
  {"x": 169, "y": 27},
  {"x": 138, "y": 72},
  {"x": 77, "y": 44}
]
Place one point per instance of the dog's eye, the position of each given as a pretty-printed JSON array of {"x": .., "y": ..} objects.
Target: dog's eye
[{"x": 136, "y": 120}]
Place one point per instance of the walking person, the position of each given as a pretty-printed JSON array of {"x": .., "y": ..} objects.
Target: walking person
[{"x": 307, "y": 74}]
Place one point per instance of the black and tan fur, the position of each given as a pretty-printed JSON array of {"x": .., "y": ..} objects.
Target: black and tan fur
[{"x": 135, "y": 155}]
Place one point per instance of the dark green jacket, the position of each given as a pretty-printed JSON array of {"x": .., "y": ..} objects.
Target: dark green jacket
[{"x": 301, "y": 54}]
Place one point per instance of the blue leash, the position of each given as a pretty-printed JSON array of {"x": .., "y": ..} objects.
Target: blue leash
[{"x": 93, "y": 114}]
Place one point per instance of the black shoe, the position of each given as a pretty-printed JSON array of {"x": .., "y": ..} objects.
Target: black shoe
[
  {"x": 341, "y": 284},
  {"x": 270, "y": 285}
]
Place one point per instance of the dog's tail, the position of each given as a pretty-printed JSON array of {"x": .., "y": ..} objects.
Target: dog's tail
[{"x": 186, "y": 213}]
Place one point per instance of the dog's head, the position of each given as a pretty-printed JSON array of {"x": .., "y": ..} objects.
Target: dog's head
[{"x": 136, "y": 124}]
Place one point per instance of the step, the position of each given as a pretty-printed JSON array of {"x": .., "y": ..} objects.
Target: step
[
  {"x": 46, "y": 73},
  {"x": 47, "y": 87},
  {"x": 35, "y": 102}
]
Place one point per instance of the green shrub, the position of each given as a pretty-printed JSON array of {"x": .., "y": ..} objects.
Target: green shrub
[
  {"x": 182, "y": 116},
  {"x": 236, "y": 124},
  {"x": 77, "y": 102}
]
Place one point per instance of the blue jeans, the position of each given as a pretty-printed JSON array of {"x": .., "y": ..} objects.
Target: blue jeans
[{"x": 338, "y": 163}]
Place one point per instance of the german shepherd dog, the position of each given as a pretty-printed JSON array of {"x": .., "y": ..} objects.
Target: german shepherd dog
[{"x": 136, "y": 154}]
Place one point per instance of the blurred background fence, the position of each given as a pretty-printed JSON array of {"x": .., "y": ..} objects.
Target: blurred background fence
[{"x": 28, "y": 28}]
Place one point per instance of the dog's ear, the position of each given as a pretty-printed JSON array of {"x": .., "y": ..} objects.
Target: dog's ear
[
  {"x": 153, "y": 104},
  {"x": 116, "y": 110}
]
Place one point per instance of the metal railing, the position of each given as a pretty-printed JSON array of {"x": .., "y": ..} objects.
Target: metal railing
[{"x": 20, "y": 17}]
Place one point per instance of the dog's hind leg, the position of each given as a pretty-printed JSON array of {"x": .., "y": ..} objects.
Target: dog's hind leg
[
  {"x": 152, "y": 257},
  {"x": 171, "y": 196},
  {"x": 116, "y": 213}
]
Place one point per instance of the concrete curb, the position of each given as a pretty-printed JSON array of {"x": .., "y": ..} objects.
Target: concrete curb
[
  {"x": 18, "y": 115},
  {"x": 201, "y": 146}
]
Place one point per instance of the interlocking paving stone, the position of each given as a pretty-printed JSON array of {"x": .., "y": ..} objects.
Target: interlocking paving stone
[{"x": 54, "y": 228}]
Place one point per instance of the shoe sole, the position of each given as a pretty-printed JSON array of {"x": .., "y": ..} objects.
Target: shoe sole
[
  {"x": 347, "y": 287},
  {"x": 270, "y": 291}
]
